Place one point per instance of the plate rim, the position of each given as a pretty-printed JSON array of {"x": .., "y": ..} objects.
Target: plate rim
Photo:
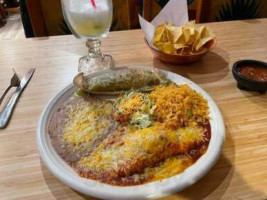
[{"x": 151, "y": 190}]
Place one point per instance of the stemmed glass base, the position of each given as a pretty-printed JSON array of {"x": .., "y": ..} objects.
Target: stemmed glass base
[{"x": 94, "y": 61}]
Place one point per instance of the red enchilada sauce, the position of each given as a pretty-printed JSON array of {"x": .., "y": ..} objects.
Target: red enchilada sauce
[
  {"x": 195, "y": 152},
  {"x": 253, "y": 72}
]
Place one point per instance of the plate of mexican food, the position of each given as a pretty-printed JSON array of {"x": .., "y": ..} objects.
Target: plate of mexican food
[{"x": 130, "y": 133}]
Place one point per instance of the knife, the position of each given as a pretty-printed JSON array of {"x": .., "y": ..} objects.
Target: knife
[{"x": 5, "y": 115}]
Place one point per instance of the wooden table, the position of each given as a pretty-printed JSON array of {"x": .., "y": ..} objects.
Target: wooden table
[{"x": 240, "y": 173}]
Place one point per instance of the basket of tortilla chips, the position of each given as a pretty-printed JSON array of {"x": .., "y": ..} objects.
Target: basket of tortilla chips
[{"x": 183, "y": 44}]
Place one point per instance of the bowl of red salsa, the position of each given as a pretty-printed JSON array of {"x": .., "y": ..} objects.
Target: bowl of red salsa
[{"x": 251, "y": 75}]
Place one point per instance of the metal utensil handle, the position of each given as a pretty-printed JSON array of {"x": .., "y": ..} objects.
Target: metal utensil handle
[
  {"x": 3, "y": 96},
  {"x": 5, "y": 115}
]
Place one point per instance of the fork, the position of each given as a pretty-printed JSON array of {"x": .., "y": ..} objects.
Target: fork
[{"x": 14, "y": 82}]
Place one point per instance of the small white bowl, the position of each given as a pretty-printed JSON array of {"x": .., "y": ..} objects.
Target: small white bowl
[{"x": 156, "y": 189}]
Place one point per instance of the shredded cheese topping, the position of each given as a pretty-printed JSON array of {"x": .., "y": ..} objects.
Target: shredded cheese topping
[
  {"x": 169, "y": 167},
  {"x": 89, "y": 122},
  {"x": 153, "y": 129},
  {"x": 138, "y": 144},
  {"x": 133, "y": 102}
]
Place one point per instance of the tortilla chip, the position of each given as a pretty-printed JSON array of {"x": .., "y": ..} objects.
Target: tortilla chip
[
  {"x": 168, "y": 48},
  {"x": 193, "y": 36},
  {"x": 184, "y": 51},
  {"x": 178, "y": 46},
  {"x": 201, "y": 42},
  {"x": 205, "y": 35},
  {"x": 176, "y": 32},
  {"x": 159, "y": 34},
  {"x": 191, "y": 23},
  {"x": 187, "y": 39}
]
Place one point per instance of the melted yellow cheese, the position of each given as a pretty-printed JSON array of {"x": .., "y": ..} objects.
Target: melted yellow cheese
[
  {"x": 169, "y": 167},
  {"x": 174, "y": 112},
  {"x": 88, "y": 122},
  {"x": 139, "y": 144}
]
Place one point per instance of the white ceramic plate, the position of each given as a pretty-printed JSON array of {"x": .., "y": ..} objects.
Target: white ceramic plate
[{"x": 146, "y": 191}]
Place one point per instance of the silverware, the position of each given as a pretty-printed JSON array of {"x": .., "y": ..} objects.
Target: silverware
[
  {"x": 14, "y": 82},
  {"x": 5, "y": 115}
]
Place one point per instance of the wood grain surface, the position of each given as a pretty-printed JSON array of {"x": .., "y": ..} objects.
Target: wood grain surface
[{"x": 241, "y": 171}]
